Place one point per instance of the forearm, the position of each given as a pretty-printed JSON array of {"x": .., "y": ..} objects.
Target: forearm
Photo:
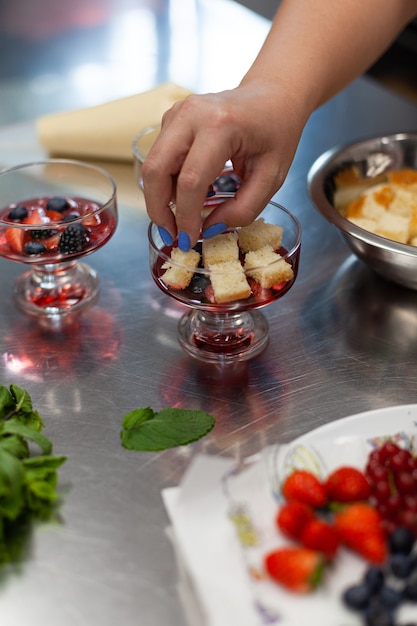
[{"x": 316, "y": 47}]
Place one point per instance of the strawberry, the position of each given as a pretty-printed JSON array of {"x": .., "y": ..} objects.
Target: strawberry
[
  {"x": 359, "y": 526},
  {"x": 54, "y": 216},
  {"x": 305, "y": 487},
  {"x": 298, "y": 569},
  {"x": 37, "y": 216},
  {"x": 347, "y": 484},
  {"x": 14, "y": 238},
  {"x": 319, "y": 535},
  {"x": 292, "y": 517},
  {"x": 51, "y": 243}
]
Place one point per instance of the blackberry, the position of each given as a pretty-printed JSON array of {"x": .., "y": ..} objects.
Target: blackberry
[
  {"x": 42, "y": 234},
  {"x": 73, "y": 239},
  {"x": 18, "y": 213},
  {"x": 58, "y": 204},
  {"x": 34, "y": 247}
]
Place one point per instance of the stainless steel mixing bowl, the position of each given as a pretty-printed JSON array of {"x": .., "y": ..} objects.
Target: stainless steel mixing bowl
[{"x": 369, "y": 159}]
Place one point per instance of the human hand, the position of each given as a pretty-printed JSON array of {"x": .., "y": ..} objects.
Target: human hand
[{"x": 256, "y": 125}]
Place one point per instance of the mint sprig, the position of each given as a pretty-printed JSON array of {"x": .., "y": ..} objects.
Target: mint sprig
[
  {"x": 145, "y": 430},
  {"x": 28, "y": 472}
]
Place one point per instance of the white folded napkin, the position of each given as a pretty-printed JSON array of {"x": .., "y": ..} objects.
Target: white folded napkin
[{"x": 106, "y": 131}]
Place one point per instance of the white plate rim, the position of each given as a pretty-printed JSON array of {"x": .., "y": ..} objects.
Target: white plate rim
[{"x": 367, "y": 426}]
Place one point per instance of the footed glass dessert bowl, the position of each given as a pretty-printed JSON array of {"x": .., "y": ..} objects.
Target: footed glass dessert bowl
[
  {"x": 52, "y": 213},
  {"x": 227, "y": 182},
  {"x": 225, "y": 279}
]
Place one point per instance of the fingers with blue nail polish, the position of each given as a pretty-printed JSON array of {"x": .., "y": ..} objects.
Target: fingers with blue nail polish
[
  {"x": 214, "y": 229},
  {"x": 183, "y": 241},
  {"x": 165, "y": 236}
]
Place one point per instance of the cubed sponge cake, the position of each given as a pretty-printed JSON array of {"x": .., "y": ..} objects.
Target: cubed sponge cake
[
  {"x": 229, "y": 281},
  {"x": 223, "y": 247},
  {"x": 259, "y": 234},
  {"x": 180, "y": 269},
  {"x": 267, "y": 267}
]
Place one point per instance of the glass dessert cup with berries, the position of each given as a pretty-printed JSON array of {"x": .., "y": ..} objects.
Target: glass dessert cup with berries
[
  {"x": 224, "y": 280},
  {"x": 52, "y": 213},
  {"x": 227, "y": 182}
]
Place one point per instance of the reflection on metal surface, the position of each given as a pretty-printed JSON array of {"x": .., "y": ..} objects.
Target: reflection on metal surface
[
  {"x": 367, "y": 323},
  {"x": 36, "y": 352},
  {"x": 231, "y": 394}
]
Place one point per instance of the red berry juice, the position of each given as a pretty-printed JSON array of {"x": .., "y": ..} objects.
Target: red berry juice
[{"x": 54, "y": 229}]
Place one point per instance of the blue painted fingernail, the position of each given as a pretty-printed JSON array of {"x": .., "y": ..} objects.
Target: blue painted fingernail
[
  {"x": 165, "y": 236},
  {"x": 183, "y": 241},
  {"x": 210, "y": 193},
  {"x": 214, "y": 229}
]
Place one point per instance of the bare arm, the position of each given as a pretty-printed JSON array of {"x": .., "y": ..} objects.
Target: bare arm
[{"x": 313, "y": 50}]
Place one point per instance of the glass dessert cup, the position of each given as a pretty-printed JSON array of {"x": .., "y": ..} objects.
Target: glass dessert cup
[
  {"x": 223, "y": 323},
  {"x": 227, "y": 182},
  {"x": 52, "y": 213}
]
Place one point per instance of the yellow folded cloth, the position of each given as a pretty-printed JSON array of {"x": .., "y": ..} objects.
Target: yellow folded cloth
[{"x": 106, "y": 131}]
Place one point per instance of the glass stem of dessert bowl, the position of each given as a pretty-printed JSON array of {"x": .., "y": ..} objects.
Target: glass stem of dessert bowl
[
  {"x": 223, "y": 337},
  {"x": 56, "y": 289}
]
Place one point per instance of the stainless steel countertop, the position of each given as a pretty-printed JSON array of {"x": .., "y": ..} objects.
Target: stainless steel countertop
[{"x": 342, "y": 341}]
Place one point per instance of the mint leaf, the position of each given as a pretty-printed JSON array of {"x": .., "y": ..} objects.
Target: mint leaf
[
  {"x": 24, "y": 431},
  {"x": 28, "y": 482},
  {"x": 7, "y": 403},
  {"x": 167, "y": 429},
  {"x": 15, "y": 445},
  {"x": 136, "y": 417},
  {"x": 12, "y": 478},
  {"x": 22, "y": 399}
]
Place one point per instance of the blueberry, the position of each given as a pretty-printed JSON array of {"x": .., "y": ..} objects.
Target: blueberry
[
  {"x": 374, "y": 578},
  {"x": 18, "y": 213},
  {"x": 357, "y": 597},
  {"x": 58, "y": 204},
  {"x": 377, "y": 615},
  {"x": 226, "y": 183},
  {"x": 410, "y": 588},
  {"x": 199, "y": 284},
  {"x": 401, "y": 565},
  {"x": 34, "y": 247},
  {"x": 70, "y": 217},
  {"x": 401, "y": 541},
  {"x": 389, "y": 597}
]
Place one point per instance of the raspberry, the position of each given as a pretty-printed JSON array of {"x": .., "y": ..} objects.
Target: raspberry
[{"x": 73, "y": 239}]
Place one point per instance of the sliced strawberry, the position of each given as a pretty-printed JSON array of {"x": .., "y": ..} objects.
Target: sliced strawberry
[
  {"x": 292, "y": 518},
  {"x": 15, "y": 238},
  {"x": 298, "y": 569},
  {"x": 37, "y": 217},
  {"x": 51, "y": 243},
  {"x": 54, "y": 216},
  {"x": 347, "y": 484},
  {"x": 92, "y": 221},
  {"x": 305, "y": 487},
  {"x": 322, "y": 536}
]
